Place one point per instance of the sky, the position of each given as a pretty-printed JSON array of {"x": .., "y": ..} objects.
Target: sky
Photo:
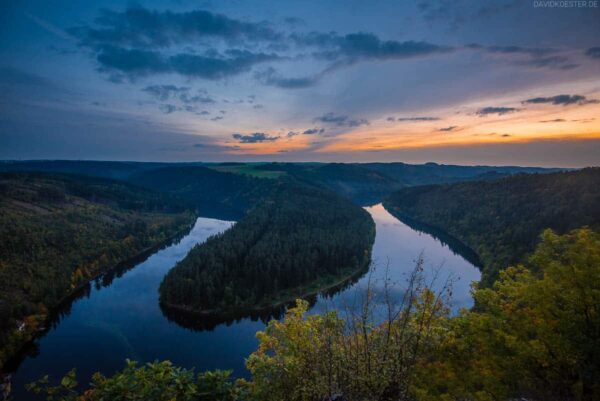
[{"x": 504, "y": 82}]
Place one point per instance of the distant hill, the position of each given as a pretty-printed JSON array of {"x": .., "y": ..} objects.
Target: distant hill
[
  {"x": 224, "y": 194},
  {"x": 106, "y": 169},
  {"x": 501, "y": 220},
  {"x": 368, "y": 183},
  {"x": 57, "y": 232},
  {"x": 433, "y": 173},
  {"x": 364, "y": 183},
  {"x": 352, "y": 181}
]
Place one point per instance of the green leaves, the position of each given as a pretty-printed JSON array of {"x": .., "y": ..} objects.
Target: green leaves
[
  {"x": 156, "y": 381},
  {"x": 536, "y": 332}
]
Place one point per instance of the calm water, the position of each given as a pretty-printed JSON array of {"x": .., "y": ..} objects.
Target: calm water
[{"x": 124, "y": 320}]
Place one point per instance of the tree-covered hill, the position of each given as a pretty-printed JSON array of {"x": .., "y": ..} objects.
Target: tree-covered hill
[
  {"x": 434, "y": 173},
  {"x": 502, "y": 220},
  {"x": 105, "y": 169},
  {"x": 225, "y": 185},
  {"x": 297, "y": 241},
  {"x": 352, "y": 181},
  {"x": 368, "y": 183},
  {"x": 226, "y": 193},
  {"x": 58, "y": 232}
]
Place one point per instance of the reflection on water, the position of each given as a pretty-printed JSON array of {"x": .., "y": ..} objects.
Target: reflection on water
[
  {"x": 396, "y": 250},
  {"x": 123, "y": 319}
]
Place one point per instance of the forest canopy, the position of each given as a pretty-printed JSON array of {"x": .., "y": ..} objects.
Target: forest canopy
[
  {"x": 501, "y": 220},
  {"x": 296, "y": 241},
  {"x": 59, "y": 231}
]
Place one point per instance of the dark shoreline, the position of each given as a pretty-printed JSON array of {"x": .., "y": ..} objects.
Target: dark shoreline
[
  {"x": 207, "y": 320},
  {"x": 456, "y": 245}
]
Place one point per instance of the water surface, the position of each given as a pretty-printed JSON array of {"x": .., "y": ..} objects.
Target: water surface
[{"x": 124, "y": 320}]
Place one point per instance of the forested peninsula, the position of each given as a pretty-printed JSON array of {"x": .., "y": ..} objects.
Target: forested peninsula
[
  {"x": 60, "y": 231},
  {"x": 502, "y": 220},
  {"x": 297, "y": 241}
]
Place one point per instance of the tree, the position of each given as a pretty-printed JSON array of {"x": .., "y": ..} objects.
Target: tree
[{"x": 535, "y": 333}]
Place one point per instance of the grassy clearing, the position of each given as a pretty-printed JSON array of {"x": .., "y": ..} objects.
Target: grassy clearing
[{"x": 247, "y": 169}]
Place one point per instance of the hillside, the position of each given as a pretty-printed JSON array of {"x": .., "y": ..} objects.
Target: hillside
[
  {"x": 298, "y": 241},
  {"x": 58, "y": 232},
  {"x": 369, "y": 183},
  {"x": 216, "y": 193},
  {"x": 502, "y": 220},
  {"x": 434, "y": 173}
]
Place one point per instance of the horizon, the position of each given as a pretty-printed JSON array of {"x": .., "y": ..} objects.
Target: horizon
[
  {"x": 497, "y": 83},
  {"x": 294, "y": 162}
]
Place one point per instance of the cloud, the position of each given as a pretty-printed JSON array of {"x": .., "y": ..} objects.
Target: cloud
[
  {"x": 215, "y": 66},
  {"x": 142, "y": 28},
  {"x": 563, "y": 100},
  {"x": 140, "y": 42},
  {"x": 164, "y": 92},
  {"x": 496, "y": 110},
  {"x": 313, "y": 131},
  {"x": 217, "y": 118},
  {"x": 448, "y": 129},
  {"x": 179, "y": 94},
  {"x": 593, "y": 52},
  {"x": 168, "y": 108},
  {"x": 556, "y": 120},
  {"x": 133, "y": 63},
  {"x": 341, "y": 120},
  {"x": 256, "y": 137},
  {"x": 552, "y": 62},
  {"x": 402, "y": 119},
  {"x": 271, "y": 77},
  {"x": 354, "y": 47},
  {"x": 533, "y": 51},
  {"x": 535, "y": 57}
]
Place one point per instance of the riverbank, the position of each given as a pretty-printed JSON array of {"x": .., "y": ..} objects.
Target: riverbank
[
  {"x": 25, "y": 335},
  {"x": 208, "y": 319}
]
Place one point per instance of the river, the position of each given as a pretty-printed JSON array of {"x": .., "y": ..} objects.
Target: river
[{"x": 122, "y": 318}]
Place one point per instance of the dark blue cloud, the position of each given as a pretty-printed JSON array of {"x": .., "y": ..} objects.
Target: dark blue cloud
[
  {"x": 168, "y": 108},
  {"x": 271, "y": 77},
  {"x": 533, "y": 57},
  {"x": 402, "y": 119},
  {"x": 366, "y": 46},
  {"x": 496, "y": 110},
  {"x": 593, "y": 52},
  {"x": 341, "y": 120},
  {"x": 165, "y": 92},
  {"x": 133, "y": 63},
  {"x": 314, "y": 131},
  {"x": 143, "y": 28},
  {"x": 256, "y": 137},
  {"x": 563, "y": 100},
  {"x": 181, "y": 95}
]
